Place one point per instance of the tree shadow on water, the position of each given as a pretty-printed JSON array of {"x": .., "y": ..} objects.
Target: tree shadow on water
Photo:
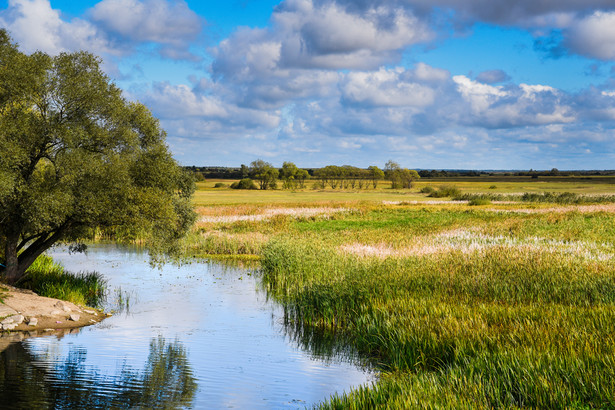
[{"x": 165, "y": 382}]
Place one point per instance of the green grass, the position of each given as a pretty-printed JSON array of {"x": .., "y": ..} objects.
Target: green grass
[
  {"x": 49, "y": 279},
  {"x": 493, "y": 322}
]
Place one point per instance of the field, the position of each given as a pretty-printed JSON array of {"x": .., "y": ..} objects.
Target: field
[{"x": 502, "y": 304}]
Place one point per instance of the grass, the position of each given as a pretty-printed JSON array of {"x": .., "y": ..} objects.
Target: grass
[
  {"x": 47, "y": 278},
  {"x": 476, "y": 304}
]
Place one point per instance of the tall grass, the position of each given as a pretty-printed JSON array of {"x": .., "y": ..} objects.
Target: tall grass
[
  {"x": 48, "y": 278},
  {"x": 564, "y": 198},
  {"x": 497, "y": 328}
]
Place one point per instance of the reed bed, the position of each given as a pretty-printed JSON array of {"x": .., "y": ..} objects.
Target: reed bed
[{"x": 502, "y": 327}]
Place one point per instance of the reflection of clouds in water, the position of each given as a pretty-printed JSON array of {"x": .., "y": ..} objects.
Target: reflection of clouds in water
[{"x": 234, "y": 335}]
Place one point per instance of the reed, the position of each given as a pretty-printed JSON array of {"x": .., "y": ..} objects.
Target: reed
[
  {"x": 47, "y": 278},
  {"x": 496, "y": 327}
]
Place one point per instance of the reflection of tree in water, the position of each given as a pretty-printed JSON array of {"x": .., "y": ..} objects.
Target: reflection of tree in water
[{"x": 166, "y": 381}]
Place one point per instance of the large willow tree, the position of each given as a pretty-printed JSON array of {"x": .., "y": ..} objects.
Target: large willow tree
[{"x": 76, "y": 157}]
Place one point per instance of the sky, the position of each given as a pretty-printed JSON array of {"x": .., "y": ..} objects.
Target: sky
[{"x": 445, "y": 84}]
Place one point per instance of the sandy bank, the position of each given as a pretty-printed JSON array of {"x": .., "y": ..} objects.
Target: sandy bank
[{"x": 24, "y": 310}]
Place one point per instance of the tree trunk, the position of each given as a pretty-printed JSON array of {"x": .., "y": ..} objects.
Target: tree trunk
[
  {"x": 11, "y": 272},
  {"x": 16, "y": 265}
]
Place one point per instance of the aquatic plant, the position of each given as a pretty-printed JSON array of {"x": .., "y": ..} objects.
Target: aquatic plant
[{"x": 48, "y": 278}]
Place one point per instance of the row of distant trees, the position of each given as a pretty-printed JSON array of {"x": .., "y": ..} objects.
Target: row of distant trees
[{"x": 343, "y": 177}]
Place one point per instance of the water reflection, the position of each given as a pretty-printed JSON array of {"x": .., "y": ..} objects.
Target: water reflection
[
  {"x": 242, "y": 352},
  {"x": 29, "y": 380}
]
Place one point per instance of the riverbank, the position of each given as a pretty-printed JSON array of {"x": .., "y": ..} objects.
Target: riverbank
[{"x": 23, "y": 310}]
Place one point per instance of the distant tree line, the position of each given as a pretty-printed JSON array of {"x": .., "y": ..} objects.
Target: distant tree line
[{"x": 260, "y": 174}]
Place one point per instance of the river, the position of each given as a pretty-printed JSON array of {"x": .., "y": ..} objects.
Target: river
[{"x": 203, "y": 335}]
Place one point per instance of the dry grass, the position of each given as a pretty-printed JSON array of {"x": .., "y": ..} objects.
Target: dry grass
[
  {"x": 467, "y": 241},
  {"x": 260, "y": 214}
]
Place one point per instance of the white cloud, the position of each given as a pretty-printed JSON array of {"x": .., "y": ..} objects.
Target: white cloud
[
  {"x": 114, "y": 29},
  {"x": 593, "y": 36},
  {"x": 159, "y": 21},
  {"x": 36, "y": 26},
  {"x": 480, "y": 96},
  {"x": 385, "y": 88}
]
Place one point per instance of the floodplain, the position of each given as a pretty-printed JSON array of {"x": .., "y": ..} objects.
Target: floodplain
[{"x": 504, "y": 297}]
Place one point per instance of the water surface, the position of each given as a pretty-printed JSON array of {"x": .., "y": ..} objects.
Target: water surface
[{"x": 198, "y": 336}]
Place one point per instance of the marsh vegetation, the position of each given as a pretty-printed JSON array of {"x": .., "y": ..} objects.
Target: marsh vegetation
[{"x": 504, "y": 298}]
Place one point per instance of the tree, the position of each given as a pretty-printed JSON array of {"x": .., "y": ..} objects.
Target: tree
[
  {"x": 77, "y": 157},
  {"x": 289, "y": 175},
  {"x": 301, "y": 176},
  {"x": 264, "y": 173},
  {"x": 399, "y": 177},
  {"x": 376, "y": 174}
]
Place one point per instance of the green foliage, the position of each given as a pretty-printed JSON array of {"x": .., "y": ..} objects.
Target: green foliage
[
  {"x": 245, "y": 183},
  {"x": 76, "y": 156},
  {"x": 376, "y": 174},
  {"x": 49, "y": 279},
  {"x": 499, "y": 328},
  {"x": 446, "y": 191},
  {"x": 428, "y": 189},
  {"x": 400, "y": 177},
  {"x": 563, "y": 198},
  {"x": 479, "y": 201},
  {"x": 264, "y": 173},
  {"x": 220, "y": 185}
]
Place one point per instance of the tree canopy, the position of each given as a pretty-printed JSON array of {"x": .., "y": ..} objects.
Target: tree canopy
[
  {"x": 400, "y": 177},
  {"x": 76, "y": 157},
  {"x": 264, "y": 173}
]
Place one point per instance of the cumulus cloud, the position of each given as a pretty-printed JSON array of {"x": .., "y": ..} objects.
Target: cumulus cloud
[
  {"x": 198, "y": 111},
  {"x": 385, "y": 88},
  {"x": 305, "y": 35},
  {"x": 329, "y": 36},
  {"x": 167, "y": 22},
  {"x": 593, "y": 36},
  {"x": 112, "y": 28},
  {"x": 514, "y": 106},
  {"x": 52, "y": 34}
]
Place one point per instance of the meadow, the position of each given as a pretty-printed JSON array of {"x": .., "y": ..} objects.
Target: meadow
[{"x": 458, "y": 304}]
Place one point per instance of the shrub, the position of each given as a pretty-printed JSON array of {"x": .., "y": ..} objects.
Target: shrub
[
  {"x": 220, "y": 185},
  {"x": 492, "y": 187},
  {"x": 245, "y": 183},
  {"x": 427, "y": 190},
  {"x": 446, "y": 191}
]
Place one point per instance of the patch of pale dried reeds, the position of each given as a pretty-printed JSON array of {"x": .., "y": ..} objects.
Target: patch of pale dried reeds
[
  {"x": 469, "y": 241},
  {"x": 609, "y": 208},
  {"x": 267, "y": 213}
]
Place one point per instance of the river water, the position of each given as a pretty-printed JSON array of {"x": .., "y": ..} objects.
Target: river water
[{"x": 198, "y": 336}]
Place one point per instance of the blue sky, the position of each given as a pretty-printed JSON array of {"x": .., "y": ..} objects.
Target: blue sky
[{"x": 475, "y": 84}]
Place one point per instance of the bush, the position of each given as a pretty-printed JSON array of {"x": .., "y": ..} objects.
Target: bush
[
  {"x": 245, "y": 183},
  {"x": 220, "y": 185},
  {"x": 428, "y": 190},
  {"x": 492, "y": 187},
  {"x": 446, "y": 191}
]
